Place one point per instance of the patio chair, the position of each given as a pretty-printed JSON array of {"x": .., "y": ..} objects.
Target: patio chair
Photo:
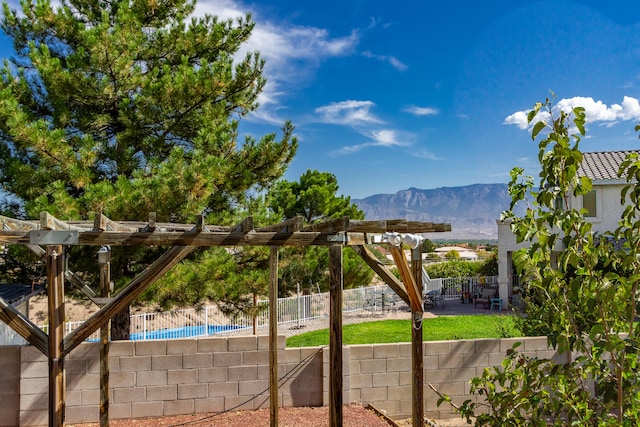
[
  {"x": 485, "y": 297},
  {"x": 434, "y": 298}
]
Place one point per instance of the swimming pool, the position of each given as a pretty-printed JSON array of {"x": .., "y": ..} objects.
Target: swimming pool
[{"x": 182, "y": 332}]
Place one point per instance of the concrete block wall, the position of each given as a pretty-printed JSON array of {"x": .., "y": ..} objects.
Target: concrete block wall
[
  {"x": 9, "y": 385},
  {"x": 159, "y": 378},
  {"x": 381, "y": 374}
]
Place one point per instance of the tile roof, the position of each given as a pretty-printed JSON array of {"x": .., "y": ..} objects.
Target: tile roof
[
  {"x": 12, "y": 292},
  {"x": 602, "y": 165}
]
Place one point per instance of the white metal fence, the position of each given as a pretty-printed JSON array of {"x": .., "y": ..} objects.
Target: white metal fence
[
  {"x": 455, "y": 287},
  {"x": 292, "y": 311}
]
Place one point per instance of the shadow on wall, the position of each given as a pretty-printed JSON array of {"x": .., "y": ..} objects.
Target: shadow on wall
[{"x": 303, "y": 381}]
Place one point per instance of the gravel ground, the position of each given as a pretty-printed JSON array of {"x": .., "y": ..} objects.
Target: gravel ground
[{"x": 353, "y": 416}]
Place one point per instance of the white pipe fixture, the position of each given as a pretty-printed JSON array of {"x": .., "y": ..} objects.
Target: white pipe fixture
[{"x": 411, "y": 240}]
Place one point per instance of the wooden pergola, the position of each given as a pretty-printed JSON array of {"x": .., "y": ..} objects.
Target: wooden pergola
[{"x": 48, "y": 236}]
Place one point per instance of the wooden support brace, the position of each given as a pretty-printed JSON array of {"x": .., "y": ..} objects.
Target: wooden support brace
[
  {"x": 16, "y": 224},
  {"x": 77, "y": 282},
  {"x": 337, "y": 225},
  {"x": 244, "y": 227},
  {"x": 382, "y": 271},
  {"x": 200, "y": 224},
  {"x": 360, "y": 226},
  {"x": 27, "y": 330},
  {"x": 415, "y": 294},
  {"x": 151, "y": 225},
  {"x": 290, "y": 225},
  {"x": 127, "y": 295}
]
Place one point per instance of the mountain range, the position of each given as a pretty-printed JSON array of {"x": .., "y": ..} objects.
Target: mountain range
[{"x": 471, "y": 210}]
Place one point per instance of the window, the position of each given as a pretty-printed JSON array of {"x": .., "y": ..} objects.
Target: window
[{"x": 589, "y": 203}]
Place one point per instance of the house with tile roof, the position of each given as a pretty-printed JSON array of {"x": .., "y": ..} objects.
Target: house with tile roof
[
  {"x": 603, "y": 206},
  {"x": 16, "y": 295}
]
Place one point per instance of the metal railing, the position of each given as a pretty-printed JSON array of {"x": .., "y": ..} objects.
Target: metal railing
[
  {"x": 455, "y": 287},
  {"x": 292, "y": 311}
]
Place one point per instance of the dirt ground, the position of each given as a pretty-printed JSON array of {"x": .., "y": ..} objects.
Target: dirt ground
[{"x": 353, "y": 416}]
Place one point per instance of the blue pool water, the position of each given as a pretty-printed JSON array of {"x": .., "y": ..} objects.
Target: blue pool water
[{"x": 183, "y": 332}]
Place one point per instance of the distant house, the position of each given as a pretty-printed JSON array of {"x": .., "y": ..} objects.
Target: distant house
[
  {"x": 602, "y": 204},
  {"x": 16, "y": 295},
  {"x": 465, "y": 253}
]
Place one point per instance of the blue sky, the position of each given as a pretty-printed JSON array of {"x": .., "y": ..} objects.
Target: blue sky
[{"x": 390, "y": 95}]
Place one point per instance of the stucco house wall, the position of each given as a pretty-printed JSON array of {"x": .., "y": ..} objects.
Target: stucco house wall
[{"x": 601, "y": 168}]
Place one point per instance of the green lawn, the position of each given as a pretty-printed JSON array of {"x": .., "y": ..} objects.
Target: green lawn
[{"x": 435, "y": 329}]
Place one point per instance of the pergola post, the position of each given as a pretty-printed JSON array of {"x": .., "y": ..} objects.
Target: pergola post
[
  {"x": 417, "y": 350},
  {"x": 55, "y": 291},
  {"x": 104, "y": 260},
  {"x": 335, "y": 336},
  {"x": 273, "y": 337}
]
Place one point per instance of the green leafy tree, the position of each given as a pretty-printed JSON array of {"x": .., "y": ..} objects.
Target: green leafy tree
[
  {"x": 453, "y": 268},
  {"x": 452, "y": 254},
  {"x": 228, "y": 278},
  {"x": 586, "y": 296},
  {"x": 427, "y": 246},
  {"x": 314, "y": 198},
  {"x": 490, "y": 266}
]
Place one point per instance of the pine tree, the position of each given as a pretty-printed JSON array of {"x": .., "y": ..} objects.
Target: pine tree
[{"x": 127, "y": 107}]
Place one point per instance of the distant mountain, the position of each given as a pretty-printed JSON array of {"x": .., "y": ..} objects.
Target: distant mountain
[{"x": 471, "y": 210}]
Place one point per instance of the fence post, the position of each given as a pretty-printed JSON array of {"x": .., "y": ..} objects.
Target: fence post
[
  {"x": 298, "y": 303},
  {"x": 206, "y": 320}
]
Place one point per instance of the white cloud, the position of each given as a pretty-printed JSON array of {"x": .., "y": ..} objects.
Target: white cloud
[
  {"x": 422, "y": 111},
  {"x": 395, "y": 62},
  {"x": 348, "y": 112},
  {"x": 519, "y": 118},
  {"x": 223, "y": 9},
  {"x": 425, "y": 154},
  {"x": 292, "y": 52},
  {"x": 389, "y": 138},
  {"x": 595, "y": 111}
]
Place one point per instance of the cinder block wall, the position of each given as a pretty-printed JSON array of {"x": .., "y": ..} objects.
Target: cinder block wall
[
  {"x": 381, "y": 374},
  {"x": 158, "y": 378},
  {"x": 9, "y": 385}
]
